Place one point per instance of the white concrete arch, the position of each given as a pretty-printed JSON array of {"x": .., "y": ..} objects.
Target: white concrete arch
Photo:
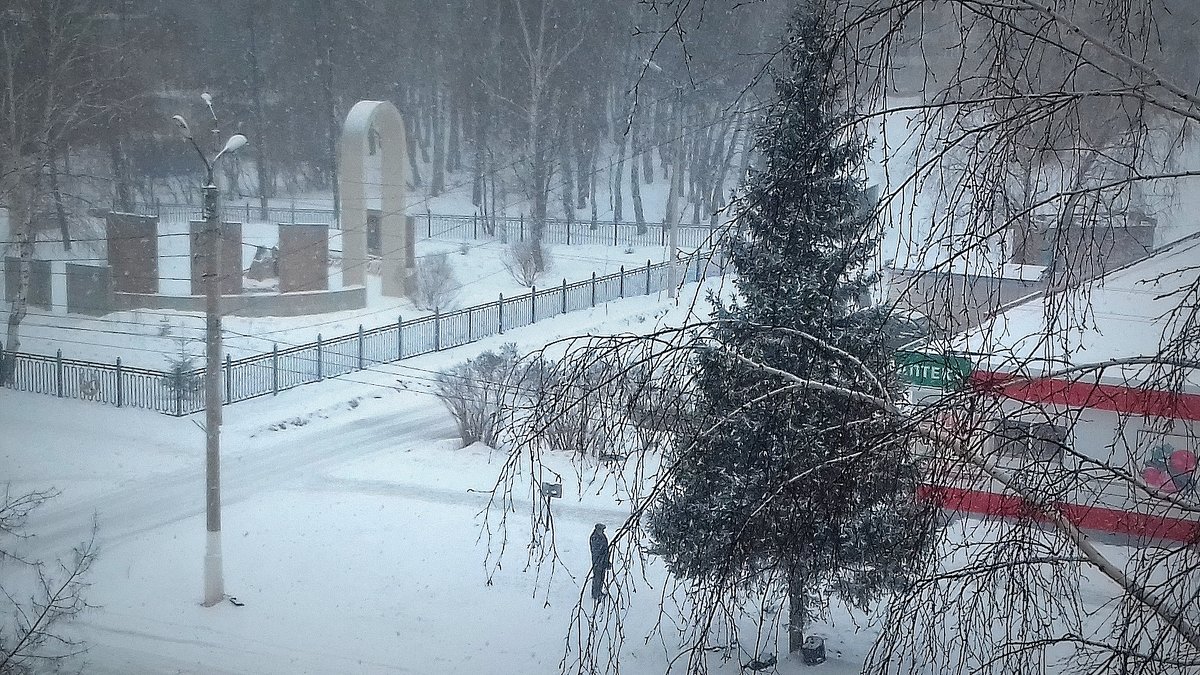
[{"x": 395, "y": 235}]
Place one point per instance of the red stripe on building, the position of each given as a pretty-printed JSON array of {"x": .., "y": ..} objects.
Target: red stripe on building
[
  {"x": 1129, "y": 400},
  {"x": 1094, "y": 518}
]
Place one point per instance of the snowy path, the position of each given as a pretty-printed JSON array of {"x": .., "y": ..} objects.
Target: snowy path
[
  {"x": 152, "y": 502},
  {"x": 351, "y": 534}
]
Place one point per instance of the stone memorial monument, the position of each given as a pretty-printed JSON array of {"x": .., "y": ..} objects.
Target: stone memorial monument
[{"x": 395, "y": 231}]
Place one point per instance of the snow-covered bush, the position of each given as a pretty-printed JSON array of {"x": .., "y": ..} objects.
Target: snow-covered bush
[
  {"x": 526, "y": 260},
  {"x": 577, "y": 425},
  {"x": 434, "y": 283},
  {"x": 482, "y": 393}
]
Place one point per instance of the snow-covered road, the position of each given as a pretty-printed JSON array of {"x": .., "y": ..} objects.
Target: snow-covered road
[
  {"x": 340, "y": 525},
  {"x": 250, "y": 466}
]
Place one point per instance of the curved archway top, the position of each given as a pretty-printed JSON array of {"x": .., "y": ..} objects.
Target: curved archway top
[
  {"x": 395, "y": 237},
  {"x": 362, "y": 116}
]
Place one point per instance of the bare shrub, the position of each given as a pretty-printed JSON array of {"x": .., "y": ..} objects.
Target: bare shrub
[
  {"x": 434, "y": 283},
  {"x": 482, "y": 393},
  {"x": 576, "y": 425},
  {"x": 526, "y": 261}
]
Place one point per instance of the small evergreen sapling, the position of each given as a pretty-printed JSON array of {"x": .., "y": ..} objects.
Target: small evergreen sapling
[{"x": 183, "y": 377}]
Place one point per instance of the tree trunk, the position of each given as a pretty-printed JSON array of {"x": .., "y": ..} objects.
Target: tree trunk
[
  {"x": 412, "y": 126},
  {"x": 712, "y": 166},
  {"x": 539, "y": 183},
  {"x": 584, "y": 149},
  {"x": 496, "y": 211},
  {"x": 610, "y": 113},
  {"x": 423, "y": 128},
  {"x": 437, "y": 182},
  {"x": 60, "y": 212},
  {"x": 454, "y": 151},
  {"x": 797, "y": 612},
  {"x": 541, "y": 199},
  {"x": 746, "y": 150},
  {"x": 260, "y": 145},
  {"x": 568, "y": 201},
  {"x": 618, "y": 177},
  {"x": 635, "y": 188},
  {"x": 478, "y": 180},
  {"x": 332, "y": 124},
  {"x": 592, "y": 177},
  {"x": 120, "y": 174},
  {"x": 19, "y": 226},
  {"x": 648, "y": 155},
  {"x": 717, "y": 201},
  {"x": 700, "y": 168},
  {"x": 122, "y": 199},
  {"x": 667, "y": 139},
  {"x": 233, "y": 175},
  {"x": 413, "y": 115}
]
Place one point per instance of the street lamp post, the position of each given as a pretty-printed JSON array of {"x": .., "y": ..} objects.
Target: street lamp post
[{"x": 214, "y": 581}]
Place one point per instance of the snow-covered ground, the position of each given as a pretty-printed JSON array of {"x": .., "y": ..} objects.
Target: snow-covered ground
[
  {"x": 351, "y": 530},
  {"x": 352, "y": 519},
  {"x": 148, "y": 338}
]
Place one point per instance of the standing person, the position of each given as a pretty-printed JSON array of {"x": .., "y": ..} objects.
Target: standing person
[{"x": 600, "y": 561}]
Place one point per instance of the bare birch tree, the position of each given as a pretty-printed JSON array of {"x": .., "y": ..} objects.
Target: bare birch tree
[
  {"x": 53, "y": 85},
  {"x": 1007, "y": 124}
]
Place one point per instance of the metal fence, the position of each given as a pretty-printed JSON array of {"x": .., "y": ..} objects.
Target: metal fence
[
  {"x": 557, "y": 231},
  {"x": 111, "y": 383},
  {"x": 182, "y": 392},
  {"x": 240, "y": 214}
]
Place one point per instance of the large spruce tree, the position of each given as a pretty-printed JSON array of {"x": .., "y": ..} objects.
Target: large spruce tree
[{"x": 799, "y": 489}]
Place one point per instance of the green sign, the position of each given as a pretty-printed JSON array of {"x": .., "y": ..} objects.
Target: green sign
[{"x": 939, "y": 371}]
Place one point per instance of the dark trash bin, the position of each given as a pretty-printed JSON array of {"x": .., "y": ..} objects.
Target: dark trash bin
[{"x": 813, "y": 650}]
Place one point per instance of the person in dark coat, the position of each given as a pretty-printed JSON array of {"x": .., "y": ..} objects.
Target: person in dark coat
[{"x": 600, "y": 561}]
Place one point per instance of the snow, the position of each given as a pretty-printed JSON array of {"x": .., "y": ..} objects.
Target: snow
[
  {"x": 978, "y": 265},
  {"x": 351, "y": 527},
  {"x": 137, "y": 336},
  {"x": 351, "y": 519},
  {"x": 351, "y": 531},
  {"x": 1125, "y": 313},
  {"x": 925, "y": 225},
  {"x": 358, "y": 120}
]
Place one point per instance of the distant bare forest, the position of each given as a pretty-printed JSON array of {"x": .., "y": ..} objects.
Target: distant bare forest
[{"x": 537, "y": 97}]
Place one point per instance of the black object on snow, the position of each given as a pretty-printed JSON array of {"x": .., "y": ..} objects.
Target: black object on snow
[
  {"x": 813, "y": 650},
  {"x": 760, "y": 664}
]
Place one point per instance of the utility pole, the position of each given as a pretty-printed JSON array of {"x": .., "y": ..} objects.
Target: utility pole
[
  {"x": 214, "y": 575},
  {"x": 214, "y": 578}
]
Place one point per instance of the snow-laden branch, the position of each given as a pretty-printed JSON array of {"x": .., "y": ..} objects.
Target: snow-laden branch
[
  {"x": 808, "y": 337},
  {"x": 881, "y": 403},
  {"x": 1162, "y": 607}
]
